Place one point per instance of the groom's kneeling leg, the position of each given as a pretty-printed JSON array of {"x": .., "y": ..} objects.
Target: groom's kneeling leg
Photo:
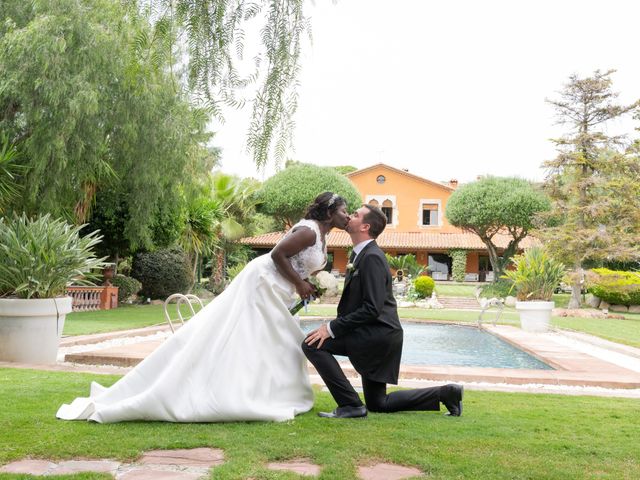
[
  {"x": 334, "y": 378},
  {"x": 377, "y": 399}
]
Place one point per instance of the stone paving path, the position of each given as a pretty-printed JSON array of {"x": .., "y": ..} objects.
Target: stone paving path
[{"x": 187, "y": 464}]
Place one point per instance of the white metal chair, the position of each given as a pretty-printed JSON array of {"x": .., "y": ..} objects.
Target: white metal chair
[{"x": 189, "y": 299}]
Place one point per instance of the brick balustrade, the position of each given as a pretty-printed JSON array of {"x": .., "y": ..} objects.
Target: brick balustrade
[{"x": 93, "y": 298}]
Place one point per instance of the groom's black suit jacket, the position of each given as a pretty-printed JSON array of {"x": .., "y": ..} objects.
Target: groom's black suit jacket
[{"x": 367, "y": 318}]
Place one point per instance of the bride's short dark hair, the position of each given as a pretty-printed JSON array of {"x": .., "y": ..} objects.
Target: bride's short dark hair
[{"x": 323, "y": 206}]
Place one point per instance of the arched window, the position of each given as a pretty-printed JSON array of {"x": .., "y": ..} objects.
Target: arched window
[{"x": 387, "y": 209}]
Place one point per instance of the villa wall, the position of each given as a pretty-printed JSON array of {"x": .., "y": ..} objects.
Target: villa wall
[{"x": 405, "y": 191}]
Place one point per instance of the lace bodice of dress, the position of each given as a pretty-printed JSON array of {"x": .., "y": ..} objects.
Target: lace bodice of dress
[{"x": 312, "y": 258}]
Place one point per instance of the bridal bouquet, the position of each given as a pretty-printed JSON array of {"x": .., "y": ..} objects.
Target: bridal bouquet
[{"x": 325, "y": 283}]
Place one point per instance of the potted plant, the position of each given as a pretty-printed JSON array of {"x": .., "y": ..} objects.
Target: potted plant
[
  {"x": 534, "y": 278},
  {"x": 39, "y": 258}
]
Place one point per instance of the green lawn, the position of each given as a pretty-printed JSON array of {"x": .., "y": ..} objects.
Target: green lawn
[
  {"x": 451, "y": 289},
  {"x": 124, "y": 317},
  {"x": 625, "y": 331},
  {"x": 500, "y": 435}
]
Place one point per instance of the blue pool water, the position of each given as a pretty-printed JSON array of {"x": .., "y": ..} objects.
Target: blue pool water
[{"x": 458, "y": 345}]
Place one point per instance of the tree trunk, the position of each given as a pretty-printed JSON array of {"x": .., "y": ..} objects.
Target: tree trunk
[
  {"x": 193, "y": 273},
  {"x": 494, "y": 259},
  {"x": 216, "y": 280},
  {"x": 576, "y": 287}
]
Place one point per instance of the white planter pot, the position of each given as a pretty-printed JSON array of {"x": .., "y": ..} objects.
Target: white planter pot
[
  {"x": 30, "y": 330},
  {"x": 535, "y": 316}
]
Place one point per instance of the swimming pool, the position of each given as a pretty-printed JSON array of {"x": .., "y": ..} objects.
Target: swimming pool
[{"x": 457, "y": 345}]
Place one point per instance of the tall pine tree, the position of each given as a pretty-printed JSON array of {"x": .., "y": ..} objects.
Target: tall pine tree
[{"x": 593, "y": 182}]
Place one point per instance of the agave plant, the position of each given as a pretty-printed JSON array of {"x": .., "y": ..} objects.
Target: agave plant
[
  {"x": 40, "y": 257},
  {"x": 536, "y": 275}
]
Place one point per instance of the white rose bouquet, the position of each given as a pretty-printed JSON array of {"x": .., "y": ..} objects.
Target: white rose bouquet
[{"x": 325, "y": 283}]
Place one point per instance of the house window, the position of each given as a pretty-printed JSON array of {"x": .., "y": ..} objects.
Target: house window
[
  {"x": 387, "y": 209},
  {"x": 381, "y": 179},
  {"x": 429, "y": 214}
]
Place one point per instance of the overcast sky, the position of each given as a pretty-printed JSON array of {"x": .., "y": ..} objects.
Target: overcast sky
[{"x": 446, "y": 89}]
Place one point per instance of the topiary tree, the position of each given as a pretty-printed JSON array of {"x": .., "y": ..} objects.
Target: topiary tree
[
  {"x": 495, "y": 205},
  {"x": 286, "y": 195},
  {"x": 459, "y": 264},
  {"x": 162, "y": 272}
]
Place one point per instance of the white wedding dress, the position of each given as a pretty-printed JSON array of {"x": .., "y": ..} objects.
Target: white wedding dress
[{"x": 237, "y": 359}]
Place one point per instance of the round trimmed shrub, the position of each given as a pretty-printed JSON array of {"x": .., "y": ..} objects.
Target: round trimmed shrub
[
  {"x": 162, "y": 273},
  {"x": 127, "y": 286},
  {"x": 424, "y": 286}
]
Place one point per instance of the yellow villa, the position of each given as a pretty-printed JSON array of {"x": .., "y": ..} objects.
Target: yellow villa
[{"x": 415, "y": 208}]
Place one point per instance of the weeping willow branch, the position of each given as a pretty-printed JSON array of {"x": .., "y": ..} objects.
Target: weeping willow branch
[{"x": 215, "y": 42}]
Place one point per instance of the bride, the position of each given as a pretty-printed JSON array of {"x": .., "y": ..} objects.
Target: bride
[{"x": 239, "y": 358}]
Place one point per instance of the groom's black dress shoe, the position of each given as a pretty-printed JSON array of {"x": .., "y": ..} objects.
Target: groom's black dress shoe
[
  {"x": 346, "y": 412},
  {"x": 452, "y": 398}
]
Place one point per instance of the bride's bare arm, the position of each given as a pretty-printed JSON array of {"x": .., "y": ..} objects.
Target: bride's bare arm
[{"x": 297, "y": 241}]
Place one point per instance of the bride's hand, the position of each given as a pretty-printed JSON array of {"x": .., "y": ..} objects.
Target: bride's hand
[{"x": 305, "y": 289}]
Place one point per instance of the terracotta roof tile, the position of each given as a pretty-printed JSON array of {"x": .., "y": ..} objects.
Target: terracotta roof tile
[{"x": 401, "y": 240}]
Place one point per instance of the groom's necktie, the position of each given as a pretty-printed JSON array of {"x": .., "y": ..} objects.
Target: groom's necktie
[{"x": 352, "y": 257}]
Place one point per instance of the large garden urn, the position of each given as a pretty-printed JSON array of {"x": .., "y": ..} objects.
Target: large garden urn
[
  {"x": 535, "y": 316},
  {"x": 30, "y": 329}
]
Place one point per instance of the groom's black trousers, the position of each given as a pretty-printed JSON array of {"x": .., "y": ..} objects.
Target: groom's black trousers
[{"x": 375, "y": 393}]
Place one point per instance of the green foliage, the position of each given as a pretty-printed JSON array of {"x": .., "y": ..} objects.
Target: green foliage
[
  {"x": 616, "y": 287},
  {"x": 92, "y": 108},
  {"x": 286, "y": 195},
  {"x": 494, "y": 205},
  {"x": 345, "y": 169},
  {"x": 40, "y": 257},
  {"x": 232, "y": 272},
  {"x": 10, "y": 172},
  {"x": 459, "y": 264},
  {"x": 407, "y": 263},
  {"x": 424, "y": 286},
  {"x": 127, "y": 286},
  {"x": 536, "y": 275},
  {"x": 162, "y": 273}
]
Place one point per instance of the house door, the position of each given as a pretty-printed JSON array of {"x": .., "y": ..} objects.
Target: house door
[
  {"x": 484, "y": 267},
  {"x": 439, "y": 266}
]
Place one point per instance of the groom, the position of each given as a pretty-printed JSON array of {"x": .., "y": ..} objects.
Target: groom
[{"x": 367, "y": 330}]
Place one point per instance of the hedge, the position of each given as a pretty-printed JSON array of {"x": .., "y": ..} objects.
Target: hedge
[
  {"x": 162, "y": 273},
  {"x": 616, "y": 287}
]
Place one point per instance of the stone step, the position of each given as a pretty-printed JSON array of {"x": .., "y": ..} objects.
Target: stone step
[{"x": 459, "y": 302}]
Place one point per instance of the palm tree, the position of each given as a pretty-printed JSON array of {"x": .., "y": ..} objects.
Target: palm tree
[
  {"x": 198, "y": 238},
  {"x": 238, "y": 201},
  {"x": 408, "y": 264}
]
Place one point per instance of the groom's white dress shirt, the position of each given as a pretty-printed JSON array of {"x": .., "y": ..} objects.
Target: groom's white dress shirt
[{"x": 357, "y": 249}]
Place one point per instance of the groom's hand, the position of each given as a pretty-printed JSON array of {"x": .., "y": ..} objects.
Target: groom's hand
[{"x": 318, "y": 335}]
